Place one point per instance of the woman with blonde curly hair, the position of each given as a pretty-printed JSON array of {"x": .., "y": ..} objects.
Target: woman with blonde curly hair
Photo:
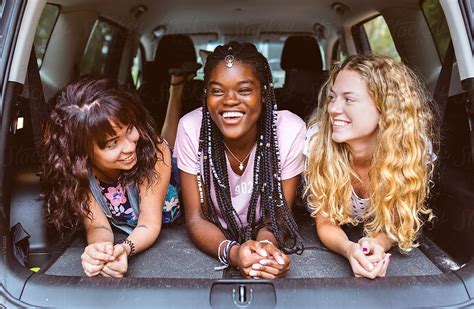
[{"x": 369, "y": 160}]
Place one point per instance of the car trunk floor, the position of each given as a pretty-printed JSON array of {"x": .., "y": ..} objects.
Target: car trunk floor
[{"x": 175, "y": 256}]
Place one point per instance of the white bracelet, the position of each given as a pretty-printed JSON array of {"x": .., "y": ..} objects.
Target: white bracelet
[{"x": 219, "y": 255}]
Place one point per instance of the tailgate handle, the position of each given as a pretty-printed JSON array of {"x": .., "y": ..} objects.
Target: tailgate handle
[{"x": 243, "y": 297}]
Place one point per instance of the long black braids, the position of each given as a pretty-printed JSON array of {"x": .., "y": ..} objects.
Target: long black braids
[{"x": 275, "y": 213}]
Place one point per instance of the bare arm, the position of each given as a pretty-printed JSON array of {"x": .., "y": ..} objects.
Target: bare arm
[
  {"x": 173, "y": 111},
  {"x": 151, "y": 205},
  {"x": 205, "y": 235},
  {"x": 364, "y": 258},
  {"x": 99, "y": 250},
  {"x": 97, "y": 226}
]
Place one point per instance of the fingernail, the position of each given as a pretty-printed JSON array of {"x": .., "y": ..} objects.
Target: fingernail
[
  {"x": 263, "y": 252},
  {"x": 365, "y": 250},
  {"x": 263, "y": 262},
  {"x": 371, "y": 267},
  {"x": 280, "y": 260},
  {"x": 388, "y": 256},
  {"x": 252, "y": 273},
  {"x": 257, "y": 266}
]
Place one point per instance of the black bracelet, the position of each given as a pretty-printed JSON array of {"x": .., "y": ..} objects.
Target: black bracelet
[{"x": 130, "y": 244}]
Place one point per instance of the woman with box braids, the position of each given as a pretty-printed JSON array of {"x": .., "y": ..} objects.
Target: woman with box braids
[{"x": 247, "y": 165}]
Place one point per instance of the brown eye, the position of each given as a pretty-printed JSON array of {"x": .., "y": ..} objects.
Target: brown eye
[
  {"x": 111, "y": 144},
  {"x": 245, "y": 91},
  {"x": 216, "y": 91}
]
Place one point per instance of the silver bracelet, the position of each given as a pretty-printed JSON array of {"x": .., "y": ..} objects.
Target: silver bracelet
[{"x": 265, "y": 241}]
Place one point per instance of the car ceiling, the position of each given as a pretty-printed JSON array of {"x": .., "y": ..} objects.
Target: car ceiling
[{"x": 233, "y": 17}]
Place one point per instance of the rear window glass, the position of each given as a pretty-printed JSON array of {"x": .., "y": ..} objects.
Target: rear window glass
[
  {"x": 104, "y": 49},
  {"x": 272, "y": 51},
  {"x": 380, "y": 39},
  {"x": 45, "y": 28},
  {"x": 438, "y": 25}
]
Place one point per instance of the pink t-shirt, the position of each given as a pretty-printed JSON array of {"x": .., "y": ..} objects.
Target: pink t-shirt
[{"x": 291, "y": 132}]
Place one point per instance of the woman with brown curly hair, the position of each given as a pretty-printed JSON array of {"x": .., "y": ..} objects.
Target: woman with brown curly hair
[
  {"x": 370, "y": 160},
  {"x": 105, "y": 165}
]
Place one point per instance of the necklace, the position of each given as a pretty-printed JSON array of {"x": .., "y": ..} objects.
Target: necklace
[{"x": 241, "y": 165}]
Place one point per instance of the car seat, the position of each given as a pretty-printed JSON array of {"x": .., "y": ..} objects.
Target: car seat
[
  {"x": 172, "y": 52},
  {"x": 302, "y": 62}
]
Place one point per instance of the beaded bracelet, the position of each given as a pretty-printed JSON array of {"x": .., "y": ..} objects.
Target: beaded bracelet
[
  {"x": 224, "y": 255},
  {"x": 130, "y": 244}
]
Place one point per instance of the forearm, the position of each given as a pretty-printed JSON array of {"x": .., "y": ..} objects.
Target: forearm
[
  {"x": 143, "y": 236},
  {"x": 97, "y": 233},
  {"x": 265, "y": 234},
  {"x": 173, "y": 114},
  {"x": 205, "y": 235},
  {"x": 384, "y": 241},
  {"x": 333, "y": 237}
]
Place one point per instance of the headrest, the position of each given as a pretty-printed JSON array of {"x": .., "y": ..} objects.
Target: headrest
[
  {"x": 172, "y": 51},
  {"x": 301, "y": 52}
]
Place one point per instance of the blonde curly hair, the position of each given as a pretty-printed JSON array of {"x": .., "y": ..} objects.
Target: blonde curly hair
[{"x": 401, "y": 167}]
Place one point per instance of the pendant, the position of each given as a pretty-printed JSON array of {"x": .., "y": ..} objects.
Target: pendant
[{"x": 241, "y": 167}]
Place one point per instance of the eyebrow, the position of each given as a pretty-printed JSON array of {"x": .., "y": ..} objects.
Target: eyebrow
[
  {"x": 116, "y": 136},
  {"x": 111, "y": 139},
  {"x": 246, "y": 81},
  {"x": 345, "y": 93}
]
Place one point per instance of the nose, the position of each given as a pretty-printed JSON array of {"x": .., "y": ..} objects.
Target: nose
[
  {"x": 335, "y": 107},
  {"x": 129, "y": 145},
  {"x": 231, "y": 98}
]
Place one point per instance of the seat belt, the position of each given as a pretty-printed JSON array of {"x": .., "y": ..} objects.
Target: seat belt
[
  {"x": 441, "y": 92},
  {"x": 39, "y": 111}
]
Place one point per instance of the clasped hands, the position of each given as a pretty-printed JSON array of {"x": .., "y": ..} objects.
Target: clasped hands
[
  {"x": 368, "y": 258},
  {"x": 264, "y": 260},
  {"x": 105, "y": 259}
]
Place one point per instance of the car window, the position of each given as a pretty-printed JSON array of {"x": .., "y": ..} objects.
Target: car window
[
  {"x": 45, "y": 28},
  {"x": 437, "y": 23},
  {"x": 272, "y": 51},
  {"x": 137, "y": 68},
  {"x": 379, "y": 37},
  {"x": 201, "y": 49},
  {"x": 338, "y": 53},
  {"x": 104, "y": 49}
]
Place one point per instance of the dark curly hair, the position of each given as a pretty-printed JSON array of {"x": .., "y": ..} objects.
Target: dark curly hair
[
  {"x": 82, "y": 114},
  {"x": 276, "y": 215}
]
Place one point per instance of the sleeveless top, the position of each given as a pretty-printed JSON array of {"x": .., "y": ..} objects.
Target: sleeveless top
[
  {"x": 121, "y": 204},
  {"x": 358, "y": 205}
]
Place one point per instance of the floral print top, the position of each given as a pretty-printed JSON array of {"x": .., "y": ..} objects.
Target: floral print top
[{"x": 116, "y": 198}]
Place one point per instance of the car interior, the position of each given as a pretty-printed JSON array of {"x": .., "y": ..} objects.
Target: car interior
[{"x": 137, "y": 43}]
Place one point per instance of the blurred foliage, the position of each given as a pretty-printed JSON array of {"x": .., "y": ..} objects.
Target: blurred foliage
[
  {"x": 45, "y": 28},
  {"x": 438, "y": 25},
  {"x": 380, "y": 39}
]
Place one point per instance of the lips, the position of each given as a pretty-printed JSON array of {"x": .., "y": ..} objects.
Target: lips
[
  {"x": 129, "y": 159},
  {"x": 338, "y": 124},
  {"x": 232, "y": 114},
  {"x": 232, "y": 117}
]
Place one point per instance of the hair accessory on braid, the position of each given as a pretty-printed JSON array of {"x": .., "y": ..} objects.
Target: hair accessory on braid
[{"x": 229, "y": 59}]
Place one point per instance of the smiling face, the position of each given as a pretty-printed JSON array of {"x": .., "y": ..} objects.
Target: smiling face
[
  {"x": 119, "y": 152},
  {"x": 234, "y": 100},
  {"x": 352, "y": 110}
]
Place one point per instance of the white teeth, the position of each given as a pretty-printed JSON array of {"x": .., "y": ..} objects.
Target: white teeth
[
  {"x": 340, "y": 123},
  {"x": 129, "y": 158},
  {"x": 232, "y": 114}
]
